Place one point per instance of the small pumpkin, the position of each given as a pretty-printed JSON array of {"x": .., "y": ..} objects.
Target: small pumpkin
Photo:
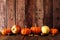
[
  {"x": 15, "y": 29},
  {"x": 45, "y": 29},
  {"x": 6, "y": 31},
  {"x": 9, "y": 30},
  {"x": 35, "y": 30},
  {"x": 25, "y": 31},
  {"x": 54, "y": 31}
]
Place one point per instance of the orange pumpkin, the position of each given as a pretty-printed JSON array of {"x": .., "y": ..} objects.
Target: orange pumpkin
[
  {"x": 35, "y": 30},
  {"x": 25, "y": 31},
  {"x": 6, "y": 31},
  {"x": 15, "y": 29},
  {"x": 54, "y": 31}
]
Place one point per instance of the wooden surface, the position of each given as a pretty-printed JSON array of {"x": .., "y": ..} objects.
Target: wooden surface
[
  {"x": 10, "y": 13},
  {"x": 2, "y": 14},
  {"x": 20, "y": 12},
  {"x": 20, "y": 37},
  {"x": 48, "y": 12},
  {"x": 34, "y": 12},
  {"x": 29, "y": 12},
  {"x": 41, "y": 12},
  {"x": 56, "y": 13}
]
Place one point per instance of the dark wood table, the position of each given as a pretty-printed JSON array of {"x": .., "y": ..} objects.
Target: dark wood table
[{"x": 21, "y": 37}]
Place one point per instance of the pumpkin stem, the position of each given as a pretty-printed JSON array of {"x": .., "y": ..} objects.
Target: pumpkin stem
[
  {"x": 25, "y": 26},
  {"x": 35, "y": 24}
]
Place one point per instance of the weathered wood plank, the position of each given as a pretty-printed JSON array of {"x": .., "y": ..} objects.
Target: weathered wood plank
[
  {"x": 56, "y": 13},
  {"x": 30, "y": 37},
  {"x": 2, "y": 14},
  {"x": 48, "y": 12},
  {"x": 20, "y": 12},
  {"x": 10, "y": 13},
  {"x": 39, "y": 12},
  {"x": 19, "y": 37},
  {"x": 29, "y": 12}
]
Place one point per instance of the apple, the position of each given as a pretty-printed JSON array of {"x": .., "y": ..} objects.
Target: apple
[
  {"x": 45, "y": 29},
  {"x": 15, "y": 29}
]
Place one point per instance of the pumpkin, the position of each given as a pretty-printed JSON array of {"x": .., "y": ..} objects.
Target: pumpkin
[
  {"x": 54, "y": 31},
  {"x": 15, "y": 29},
  {"x": 6, "y": 31},
  {"x": 45, "y": 29},
  {"x": 25, "y": 31},
  {"x": 35, "y": 30}
]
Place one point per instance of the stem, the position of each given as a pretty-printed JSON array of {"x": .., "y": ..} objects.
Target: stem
[
  {"x": 35, "y": 24},
  {"x": 25, "y": 26}
]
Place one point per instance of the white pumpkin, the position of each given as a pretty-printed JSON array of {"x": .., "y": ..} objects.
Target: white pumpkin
[{"x": 45, "y": 29}]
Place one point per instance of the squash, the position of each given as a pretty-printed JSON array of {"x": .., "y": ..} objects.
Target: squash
[
  {"x": 6, "y": 31},
  {"x": 35, "y": 30},
  {"x": 25, "y": 31},
  {"x": 54, "y": 31}
]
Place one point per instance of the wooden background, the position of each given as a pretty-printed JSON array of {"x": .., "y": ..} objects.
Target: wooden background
[{"x": 29, "y": 12}]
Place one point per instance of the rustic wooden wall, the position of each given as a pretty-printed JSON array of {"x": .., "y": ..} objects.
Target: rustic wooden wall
[
  {"x": 2, "y": 14},
  {"x": 34, "y": 12},
  {"x": 20, "y": 12},
  {"x": 56, "y": 13},
  {"x": 48, "y": 12},
  {"x": 29, "y": 12},
  {"x": 39, "y": 12},
  {"x": 10, "y": 13}
]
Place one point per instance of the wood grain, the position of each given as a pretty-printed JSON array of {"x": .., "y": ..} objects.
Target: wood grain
[
  {"x": 20, "y": 37},
  {"x": 10, "y": 13},
  {"x": 48, "y": 12},
  {"x": 29, "y": 12},
  {"x": 56, "y": 13},
  {"x": 2, "y": 14},
  {"x": 39, "y": 12},
  {"x": 20, "y": 12}
]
